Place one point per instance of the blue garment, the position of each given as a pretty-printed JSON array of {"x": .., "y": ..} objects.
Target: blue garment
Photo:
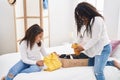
[
  {"x": 100, "y": 61},
  {"x": 21, "y": 67},
  {"x": 45, "y": 4}
]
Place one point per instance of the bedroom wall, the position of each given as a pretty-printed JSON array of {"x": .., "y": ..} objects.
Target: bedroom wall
[
  {"x": 61, "y": 21},
  {"x": 112, "y": 16},
  {"x": 7, "y": 33}
]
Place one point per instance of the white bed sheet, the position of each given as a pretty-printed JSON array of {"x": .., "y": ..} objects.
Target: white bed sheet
[{"x": 73, "y": 73}]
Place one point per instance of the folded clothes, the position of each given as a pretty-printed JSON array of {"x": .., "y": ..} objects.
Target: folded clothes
[{"x": 68, "y": 56}]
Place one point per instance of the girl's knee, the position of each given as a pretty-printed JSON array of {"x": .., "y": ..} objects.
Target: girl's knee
[
  {"x": 35, "y": 68},
  {"x": 10, "y": 76}
]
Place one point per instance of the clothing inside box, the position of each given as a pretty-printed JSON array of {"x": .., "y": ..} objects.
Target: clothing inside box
[{"x": 73, "y": 56}]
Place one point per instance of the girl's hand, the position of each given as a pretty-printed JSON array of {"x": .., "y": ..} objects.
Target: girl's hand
[{"x": 40, "y": 63}]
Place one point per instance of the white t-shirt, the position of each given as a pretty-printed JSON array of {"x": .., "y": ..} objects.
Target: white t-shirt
[
  {"x": 94, "y": 46},
  {"x": 31, "y": 56}
]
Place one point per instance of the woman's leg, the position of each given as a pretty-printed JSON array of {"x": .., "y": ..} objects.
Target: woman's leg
[
  {"x": 117, "y": 64},
  {"x": 100, "y": 62},
  {"x": 91, "y": 61},
  {"x": 114, "y": 63},
  {"x": 110, "y": 63},
  {"x": 15, "y": 70},
  {"x": 32, "y": 68}
]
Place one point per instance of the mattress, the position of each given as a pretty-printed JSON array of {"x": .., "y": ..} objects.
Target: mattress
[{"x": 72, "y": 73}]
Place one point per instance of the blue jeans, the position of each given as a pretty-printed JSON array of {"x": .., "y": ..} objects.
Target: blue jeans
[
  {"x": 21, "y": 67},
  {"x": 100, "y": 61}
]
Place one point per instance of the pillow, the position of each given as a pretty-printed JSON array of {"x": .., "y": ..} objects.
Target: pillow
[
  {"x": 116, "y": 53},
  {"x": 114, "y": 44}
]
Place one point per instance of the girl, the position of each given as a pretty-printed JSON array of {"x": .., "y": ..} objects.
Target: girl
[
  {"x": 93, "y": 38},
  {"x": 31, "y": 49}
]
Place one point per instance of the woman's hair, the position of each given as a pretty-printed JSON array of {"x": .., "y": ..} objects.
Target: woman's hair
[
  {"x": 30, "y": 35},
  {"x": 85, "y": 10}
]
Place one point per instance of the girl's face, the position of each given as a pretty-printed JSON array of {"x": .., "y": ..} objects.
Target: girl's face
[{"x": 38, "y": 38}]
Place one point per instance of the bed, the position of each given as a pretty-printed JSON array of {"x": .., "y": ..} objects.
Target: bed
[{"x": 72, "y": 73}]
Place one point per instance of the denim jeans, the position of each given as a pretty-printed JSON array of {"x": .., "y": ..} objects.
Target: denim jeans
[
  {"x": 100, "y": 61},
  {"x": 21, "y": 67}
]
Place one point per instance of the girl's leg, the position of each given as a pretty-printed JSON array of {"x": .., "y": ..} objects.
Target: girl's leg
[
  {"x": 100, "y": 62},
  {"x": 15, "y": 70},
  {"x": 32, "y": 68}
]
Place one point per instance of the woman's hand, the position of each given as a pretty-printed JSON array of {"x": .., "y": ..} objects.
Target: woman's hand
[
  {"x": 80, "y": 48},
  {"x": 40, "y": 63},
  {"x": 77, "y": 48}
]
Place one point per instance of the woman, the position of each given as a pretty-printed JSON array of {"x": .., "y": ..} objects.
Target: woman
[{"x": 93, "y": 38}]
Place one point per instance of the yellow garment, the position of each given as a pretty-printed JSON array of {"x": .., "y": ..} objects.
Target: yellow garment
[
  {"x": 74, "y": 46},
  {"x": 52, "y": 62}
]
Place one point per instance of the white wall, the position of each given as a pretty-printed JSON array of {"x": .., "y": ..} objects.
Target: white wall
[
  {"x": 7, "y": 33},
  {"x": 61, "y": 21},
  {"x": 111, "y": 14}
]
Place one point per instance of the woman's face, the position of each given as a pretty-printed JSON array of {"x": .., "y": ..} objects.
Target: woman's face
[
  {"x": 38, "y": 38},
  {"x": 85, "y": 20}
]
